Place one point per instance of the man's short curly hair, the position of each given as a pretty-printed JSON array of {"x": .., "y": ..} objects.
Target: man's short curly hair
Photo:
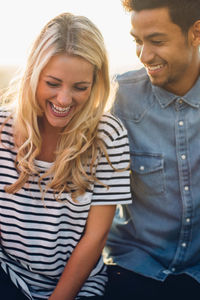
[{"x": 184, "y": 13}]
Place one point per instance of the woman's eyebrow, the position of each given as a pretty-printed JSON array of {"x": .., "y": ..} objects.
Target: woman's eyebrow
[{"x": 55, "y": 78}]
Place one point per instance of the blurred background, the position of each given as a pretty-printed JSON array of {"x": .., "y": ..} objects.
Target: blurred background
[{"x": 22, "y": 20}]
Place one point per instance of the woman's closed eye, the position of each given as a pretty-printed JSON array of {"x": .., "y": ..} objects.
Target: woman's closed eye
[
  {"x": 52, "y": 84},
  {"x": 81, "y": 88}
]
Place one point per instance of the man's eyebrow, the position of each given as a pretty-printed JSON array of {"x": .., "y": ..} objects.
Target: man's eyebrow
[
  {"x": 156, "y": 34},
  {"x": 131, "y": 33},
  {"x": 150, "y": 36}
]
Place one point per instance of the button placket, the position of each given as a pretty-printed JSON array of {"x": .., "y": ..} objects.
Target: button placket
[{"x": 184, "y": 179}]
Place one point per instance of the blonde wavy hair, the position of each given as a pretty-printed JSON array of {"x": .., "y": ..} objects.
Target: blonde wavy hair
[{"x": 79, "y": 144}]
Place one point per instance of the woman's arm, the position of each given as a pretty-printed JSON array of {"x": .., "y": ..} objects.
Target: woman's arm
[{"x": 86, "y": 253}]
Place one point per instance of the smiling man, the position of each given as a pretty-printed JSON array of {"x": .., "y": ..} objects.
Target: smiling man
[{"x": 153, "y": 249}]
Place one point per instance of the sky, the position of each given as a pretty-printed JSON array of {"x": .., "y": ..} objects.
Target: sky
[{"x": 22, "y": 20}]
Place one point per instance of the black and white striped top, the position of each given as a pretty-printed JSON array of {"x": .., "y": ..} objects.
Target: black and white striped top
[{"x": 37, "y": 238}]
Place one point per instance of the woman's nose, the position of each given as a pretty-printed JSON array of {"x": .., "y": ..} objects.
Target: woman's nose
[{"x": 64, "y": 97}]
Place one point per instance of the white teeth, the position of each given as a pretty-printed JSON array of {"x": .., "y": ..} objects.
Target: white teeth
[
  {"x": 59, "y": 109},
  {"x": 153, "y": 68}
]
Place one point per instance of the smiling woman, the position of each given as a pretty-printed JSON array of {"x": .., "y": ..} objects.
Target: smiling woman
[
  {"x": 63, "y": 88},
  {"x": 64, "y": 165}
]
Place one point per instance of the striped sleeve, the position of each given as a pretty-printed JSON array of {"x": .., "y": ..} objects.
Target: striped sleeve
[{"x": 115, "y": 177}]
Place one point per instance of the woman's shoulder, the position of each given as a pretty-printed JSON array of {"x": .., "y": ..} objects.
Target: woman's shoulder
[
  {"x": 111, "y": 126},
  {"x": 5, "y": 116}
]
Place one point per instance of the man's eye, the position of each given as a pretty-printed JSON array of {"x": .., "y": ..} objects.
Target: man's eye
[
  {"x": 157, "y": 42},
  {"x": 52, "y": 84}
]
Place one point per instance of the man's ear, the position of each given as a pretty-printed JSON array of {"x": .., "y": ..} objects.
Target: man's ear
[{"x": 195, "y": 34}]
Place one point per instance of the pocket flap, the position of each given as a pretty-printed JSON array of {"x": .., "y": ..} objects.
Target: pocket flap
[{"x": 144, "y": 163}]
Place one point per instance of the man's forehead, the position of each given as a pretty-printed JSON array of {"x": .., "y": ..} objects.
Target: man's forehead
[{"x": 152, "y": 23}]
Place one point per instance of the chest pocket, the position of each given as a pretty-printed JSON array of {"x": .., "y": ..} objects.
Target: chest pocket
[{"x": 147, "y": 173}]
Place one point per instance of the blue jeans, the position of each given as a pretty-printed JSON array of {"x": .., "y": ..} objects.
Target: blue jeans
[
  {"x": 8, "y": 290},
  {"x": 127, "y": 285}
]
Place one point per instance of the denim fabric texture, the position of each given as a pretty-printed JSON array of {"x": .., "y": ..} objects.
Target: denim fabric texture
[{"x": 159, "y": 233}]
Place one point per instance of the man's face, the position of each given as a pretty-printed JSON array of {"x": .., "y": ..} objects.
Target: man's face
[{"x": 164, "y": 50}]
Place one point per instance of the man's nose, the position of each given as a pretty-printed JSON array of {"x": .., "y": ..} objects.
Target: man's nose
[{"x": 145, "y": 54}]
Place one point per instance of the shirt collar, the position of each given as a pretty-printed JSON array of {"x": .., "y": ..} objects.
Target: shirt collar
[{"x": 165, "y": 98}]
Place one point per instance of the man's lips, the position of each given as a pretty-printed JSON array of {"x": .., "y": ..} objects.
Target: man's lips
[{"x": 152, "y": 69}]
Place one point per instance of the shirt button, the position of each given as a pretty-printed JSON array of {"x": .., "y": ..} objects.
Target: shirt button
[
  {"x": 188, "y": 220},
  {"x": 181, "y": 123},
  {"x": 180, "y": 101},
  {"x": 173, "y": 269},
  {"x": 141, "y": 168},
  {"x": 183, "y": 245},
  {"x": 186, "y": 188},
  {"x": 183, "y": 156}
]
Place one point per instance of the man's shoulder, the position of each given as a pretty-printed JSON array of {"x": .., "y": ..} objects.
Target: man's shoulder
[
  {"x": 133, "y": 86},
  {"x": 134, "y": 90},
  {"x": 132, "y": 77}
]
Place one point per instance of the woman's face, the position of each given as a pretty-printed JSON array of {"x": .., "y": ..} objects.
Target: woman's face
[{"x": 63, "y": 88}]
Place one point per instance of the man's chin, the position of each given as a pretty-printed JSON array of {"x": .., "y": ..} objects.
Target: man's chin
[{"x": 157, "y": 82}]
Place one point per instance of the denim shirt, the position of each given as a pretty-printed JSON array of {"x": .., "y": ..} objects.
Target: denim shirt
[{"x": 159, "y": 233}]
